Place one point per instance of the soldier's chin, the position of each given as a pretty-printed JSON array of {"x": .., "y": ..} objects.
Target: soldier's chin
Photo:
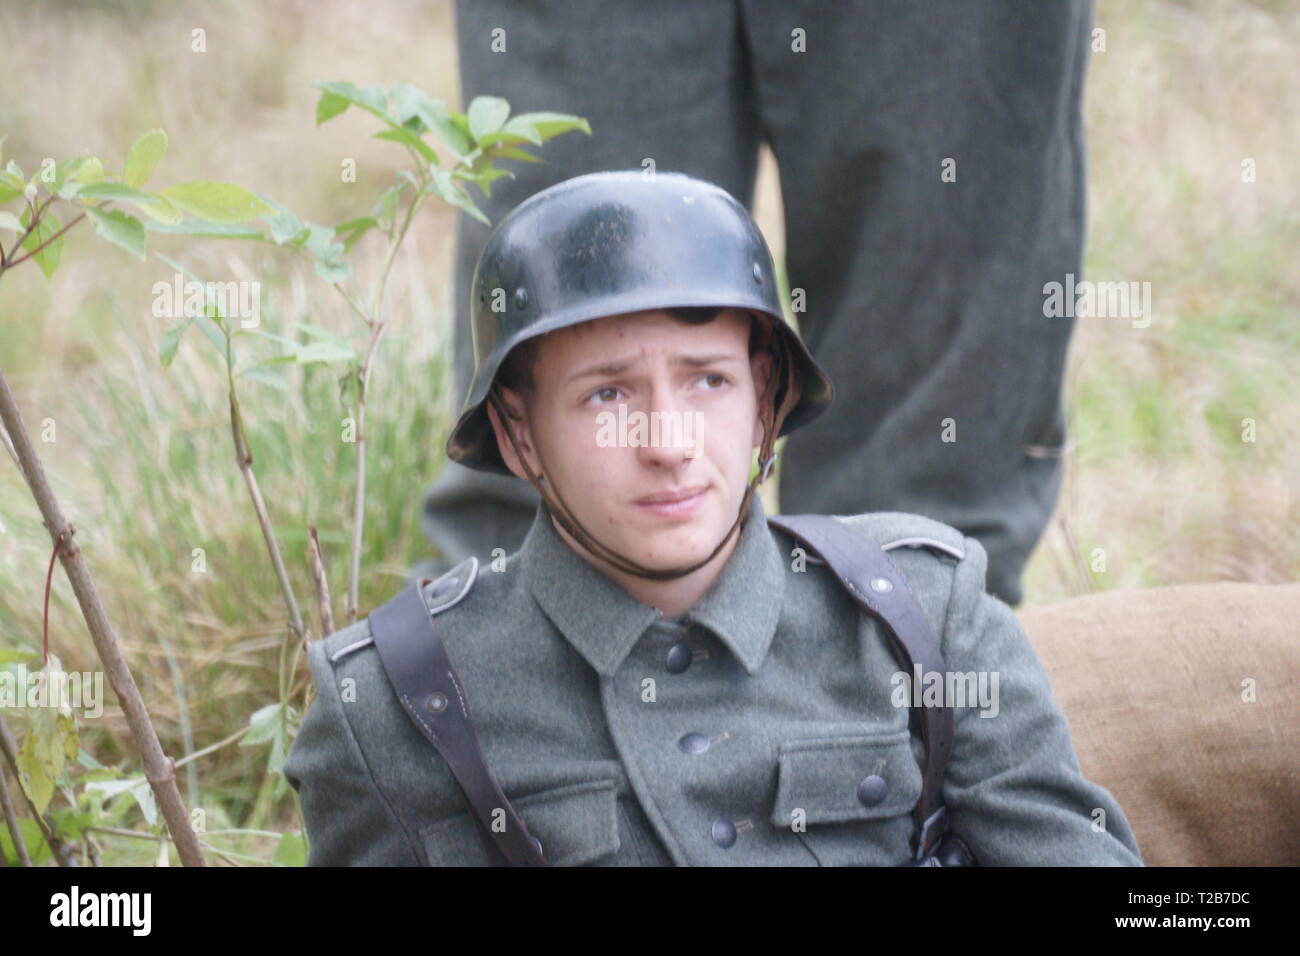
[{"x": 680, "y": 545}]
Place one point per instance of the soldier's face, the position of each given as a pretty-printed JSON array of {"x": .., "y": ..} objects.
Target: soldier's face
[{"x": 629, "y": 410}]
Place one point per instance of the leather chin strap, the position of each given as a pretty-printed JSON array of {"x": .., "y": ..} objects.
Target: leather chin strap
[{"x": 783, "y": 369}]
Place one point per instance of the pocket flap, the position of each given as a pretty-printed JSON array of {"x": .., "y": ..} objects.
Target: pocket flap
[
  {"x": 575, "y": 825},
  {"x": 836, "y": 779}
]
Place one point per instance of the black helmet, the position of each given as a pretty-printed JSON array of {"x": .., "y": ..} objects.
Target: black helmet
[{"x": 609, "y": 243}]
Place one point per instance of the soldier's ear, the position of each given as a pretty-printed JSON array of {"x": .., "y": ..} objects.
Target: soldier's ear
[{"x": 519, "y": 427}]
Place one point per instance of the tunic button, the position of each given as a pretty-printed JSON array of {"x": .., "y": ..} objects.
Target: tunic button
[
  {"x": 679, "y": 658},
  {"x": 694, "y": 743},
  {"x": 872, "y": 790},
  {"x": 724, "y": 832},
  {"x": 437, "y": 702}
]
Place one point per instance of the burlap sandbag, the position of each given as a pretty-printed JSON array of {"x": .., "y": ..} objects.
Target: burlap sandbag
[{"x": 1157, "y": 685}]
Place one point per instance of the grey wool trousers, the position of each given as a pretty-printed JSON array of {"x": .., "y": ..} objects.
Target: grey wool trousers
[{"x": 932, "y": 170}]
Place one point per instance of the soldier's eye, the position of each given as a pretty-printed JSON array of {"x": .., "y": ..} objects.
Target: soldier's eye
[
  {"x": 599, "y": 394},
  {"x": 722, "y": 380}
]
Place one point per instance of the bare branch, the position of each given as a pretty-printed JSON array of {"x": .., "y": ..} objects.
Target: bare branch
[{"x": 158, "y": 767}]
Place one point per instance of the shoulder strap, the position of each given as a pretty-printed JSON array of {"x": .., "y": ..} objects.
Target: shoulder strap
[
  {"x": 877, "y": 584},
  {"x": 434, "y": 697}
]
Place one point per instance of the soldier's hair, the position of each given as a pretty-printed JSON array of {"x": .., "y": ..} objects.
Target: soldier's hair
[{"x": 516, "y": 371}]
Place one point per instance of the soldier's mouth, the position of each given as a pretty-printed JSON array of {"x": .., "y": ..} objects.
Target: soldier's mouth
[{"x": 673, "y": 504}]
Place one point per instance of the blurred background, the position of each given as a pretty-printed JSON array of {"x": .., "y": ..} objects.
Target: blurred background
[{"x": 1158, "y": 475}]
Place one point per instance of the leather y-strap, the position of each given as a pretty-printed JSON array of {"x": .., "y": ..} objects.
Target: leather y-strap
[
  {"x": 877, "y": 584},
  {"x": 434, "y": 697}
]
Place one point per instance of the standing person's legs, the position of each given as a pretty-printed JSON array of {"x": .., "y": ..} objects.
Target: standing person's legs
[
  {"x": 667, "y": 83},
  {"x": 924, "y": 298}
]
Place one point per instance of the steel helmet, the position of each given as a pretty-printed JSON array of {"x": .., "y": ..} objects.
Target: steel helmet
[{"x": 609, "y": 243}]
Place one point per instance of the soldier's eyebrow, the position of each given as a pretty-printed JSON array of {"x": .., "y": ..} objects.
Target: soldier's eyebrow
[{"x": 609, "y": 369}]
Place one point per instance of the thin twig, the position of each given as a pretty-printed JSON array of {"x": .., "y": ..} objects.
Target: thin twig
[
  {"x": 378, "y": 324},
  {"x": 244, "y": 458},
  {"x": 118, "y": 831},
  {"x": 159, "y": 769},
  {"x": 322, "y": 583},
  {"x": 212, "y": 747},
  {"x": 11, "y": 821},
  {"x": 21, "y": 259}
]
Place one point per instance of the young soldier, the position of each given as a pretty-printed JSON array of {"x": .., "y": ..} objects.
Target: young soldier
[{"x": 658, "y": 676}]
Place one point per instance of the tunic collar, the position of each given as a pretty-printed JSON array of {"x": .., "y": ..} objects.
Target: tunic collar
[{"x": 603, "y": 622}]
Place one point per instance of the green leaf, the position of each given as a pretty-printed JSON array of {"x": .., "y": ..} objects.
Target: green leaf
[
  {"x": 262, "y": 726},
  {"x": 409, "y": 102},
  {"x": 120, "y": 229},
  {"x": 151, "y": 204},
  {"x": 217, "y": 202},
  {"x": 452, "y": 130},
  {"x": 486, "y": 114},
  {"x": 12, "y": 176},
  {"x": 552, "y": 124},
  {"x": 260, "y": 373},
  {"x": 352, "y": 230},
  {"x": 33, "y": 771},
  {"x": 484, "y": 178},
  {"x": 413, "y": 109},
  {"x": 324, "y": 352},
  {"x": 325, "y": 335},
  {"x": 9, "y": 221},
  {"x": 71, "y": 823},
  {"x": 211, "y": 230},
  {"x": 290, "y": 344},
  {"x": 33, "y": 839},
  {"x": 10, "y": 655},
  {"x": 285, "y": 226},
  {"x": 328, "y": 253},
  {"x": 170, "y": 341},
  {"x": 144, "y": 156},
  {"x": 510, "y": 152},
  {"x": 291, "y": 851},
  {"x": 339, "y": 95},
  {"x": 329, "y": 106},
  {"x": 445, "y": 188},
  {"x": 88, "y": 761},
  {"x": 517, "y": 130},
  {"x": 268, "y": 724},
  {"x": 333, "y": 272},
  {"x": 277, "y": 360},
  {"x": 65, "y": 172},
  {"x": 213, "y": 331},
  {"x": 47, "y": 258},
  {"x": 385, "y": 209},
  {"x": 320, "y": 243},
  {"x": 400, "y": 134},
  {"x": 137, "y": 787},
  {"x": 91, "y": 172}
]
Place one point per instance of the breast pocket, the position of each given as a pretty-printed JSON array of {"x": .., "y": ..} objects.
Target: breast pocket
[
  {"x": 576, "y": 824},
  {"x": 849, "y": 799}
]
